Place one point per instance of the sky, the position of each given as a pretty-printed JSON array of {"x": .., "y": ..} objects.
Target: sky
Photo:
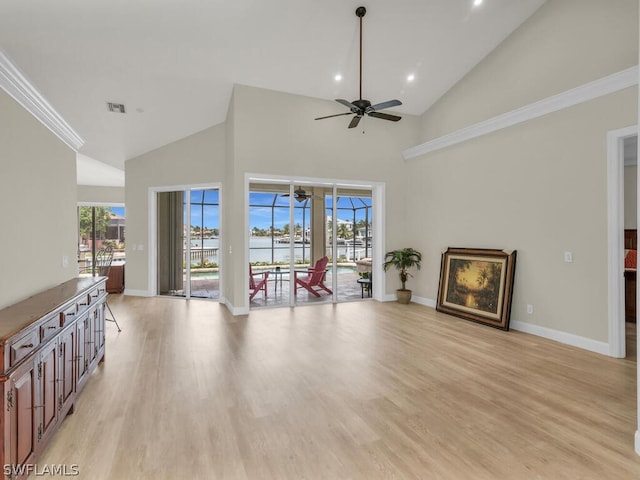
[
  {"x": 260, "y": 209},
  {"x": 118, "y": 211}
]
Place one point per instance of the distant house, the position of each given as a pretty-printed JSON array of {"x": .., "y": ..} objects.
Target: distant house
[{"x": 115, "y": 229}]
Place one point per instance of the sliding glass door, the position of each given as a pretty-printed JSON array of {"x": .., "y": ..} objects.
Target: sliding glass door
[
  {"x": 292, "y": 228},
  {"x": 188, "y": 243}
]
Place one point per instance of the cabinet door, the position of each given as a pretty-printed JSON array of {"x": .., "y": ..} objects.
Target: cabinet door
[
  {"x": 66, "y": 370},
  {"x": 99, "y": 331},
  {"x": 47, "y": 393},
  {"x": 82, "y": 360},
  {"x": 20, "y": 405},
  {"x": 91, "y": 350}
]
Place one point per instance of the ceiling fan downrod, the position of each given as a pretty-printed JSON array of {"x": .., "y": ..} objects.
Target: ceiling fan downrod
[
  {"x": 361, "y": 12},
  {"x": 361, "y": 107}
]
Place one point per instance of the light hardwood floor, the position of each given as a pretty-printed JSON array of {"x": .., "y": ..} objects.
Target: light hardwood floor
[{"x": 362, "y": 390}]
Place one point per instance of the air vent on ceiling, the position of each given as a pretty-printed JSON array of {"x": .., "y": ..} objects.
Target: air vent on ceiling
[{"x": 116, "y": 107}]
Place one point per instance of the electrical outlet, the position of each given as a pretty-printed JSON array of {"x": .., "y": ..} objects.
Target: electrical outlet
[
  {"x": 530, "y": 309},
  {"x": 568, "y": 257},
  {"x": 65, "y": 261}
]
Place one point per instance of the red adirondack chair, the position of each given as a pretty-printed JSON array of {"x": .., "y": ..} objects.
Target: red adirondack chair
[
  {"x": 313, "y": 278},
  {"x": 257, "y": 283}
]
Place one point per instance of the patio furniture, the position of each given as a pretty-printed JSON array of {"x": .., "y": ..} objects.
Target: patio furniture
[
  {"x": 277, "y": 274},
  {"x": 257, "y": 283},
  {"x": 365, "y": 284},
  {"x": 313, "y": 281},
  {"x": 102, "y": 267}
]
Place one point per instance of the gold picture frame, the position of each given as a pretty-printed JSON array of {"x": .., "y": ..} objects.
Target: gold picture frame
[{"x": 477, "y": 284}]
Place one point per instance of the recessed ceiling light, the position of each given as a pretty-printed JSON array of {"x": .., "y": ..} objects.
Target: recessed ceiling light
[
  {"x": 338, "y": 77},
  {"x": 411, "y": 77},
  {"x": 477, "y": 3}
]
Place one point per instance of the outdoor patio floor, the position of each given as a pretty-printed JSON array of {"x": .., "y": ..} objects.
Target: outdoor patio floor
[{"x": 348, "y": 290}]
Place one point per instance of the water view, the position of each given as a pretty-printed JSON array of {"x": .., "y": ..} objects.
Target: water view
[{"x": 263, "y": 251}]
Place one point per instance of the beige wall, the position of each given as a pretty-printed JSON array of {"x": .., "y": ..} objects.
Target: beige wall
[
  {"x": 38, "y": 194},
  {"x": 566, "y": 43},
  {"x": 631, "y": 196},
  {"x": 100, "y": 195},
  {"x": 197, "y": 159},
  {"x": 538, "y": 187},
  {"x": 274, "y": 133}
]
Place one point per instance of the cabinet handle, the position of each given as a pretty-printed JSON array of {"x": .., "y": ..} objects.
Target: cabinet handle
[
  {"x": 53, "y": 327},
  {"x": 70, "y": 314},
  {"x": 30, "y": 345}
]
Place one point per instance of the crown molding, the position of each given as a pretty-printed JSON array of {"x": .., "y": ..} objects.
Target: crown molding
[
  {"x": 17, "y": 86},
  {"x": 584, "y": 93}
]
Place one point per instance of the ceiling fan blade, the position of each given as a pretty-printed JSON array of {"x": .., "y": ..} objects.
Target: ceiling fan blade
[
  {"x": 336, "y": 115},
  {"x": 355, "y": 121},
  {"x": 383, "y": 105},
  {"x": 347, "y": 104},
  {"x": 385, "y": 116}
]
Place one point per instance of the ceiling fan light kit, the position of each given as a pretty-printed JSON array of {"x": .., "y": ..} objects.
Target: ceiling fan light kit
[
  {"x": 299, "y": 195},
  {"x": 361, "y": 107}
]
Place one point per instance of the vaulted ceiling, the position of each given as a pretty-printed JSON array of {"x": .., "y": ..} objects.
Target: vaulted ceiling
[{"x": 173, "y": 63}]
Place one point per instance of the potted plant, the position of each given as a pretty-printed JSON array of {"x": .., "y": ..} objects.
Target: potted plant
[{"x": 402, "y": 260}]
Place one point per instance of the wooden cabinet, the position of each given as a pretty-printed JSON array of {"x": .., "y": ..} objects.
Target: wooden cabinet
[
  {"x": 115, "y": 283},
  {"x": 66, "y": 370},
  {"x": 19, "y": 428},
  {"x": 83, "y": 336},
  {"x": 47, "y": 380},
  {"x": 630, "y": 295},
  {"x": 49, "y": 345}
]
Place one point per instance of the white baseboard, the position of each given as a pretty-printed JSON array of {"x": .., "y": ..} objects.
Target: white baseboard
[
  {"x": 235, "y": 311},
  {"x": 544, "y": 332},
  {"x": 427, "y": 302},
  {"x": 637, "y": 443},
  {"x": 136, "y": 293},
  {"x": 562, "y": 337}
]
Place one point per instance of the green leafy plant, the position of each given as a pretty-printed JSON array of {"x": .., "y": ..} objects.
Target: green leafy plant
[{"x": 403, "y": 260}]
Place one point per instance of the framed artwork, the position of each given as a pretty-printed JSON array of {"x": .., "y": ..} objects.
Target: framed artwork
[{"x": 477, "y": 284}]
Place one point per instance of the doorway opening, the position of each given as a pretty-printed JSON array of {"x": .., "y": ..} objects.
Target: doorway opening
[{"x": 620, "y": 144}]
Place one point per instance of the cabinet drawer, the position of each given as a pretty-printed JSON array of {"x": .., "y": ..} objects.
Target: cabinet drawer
[
  {"x": 49, "y": 328},
  {"x": 93, "y": 295},
  {"x": 23, "y": 347},
  {"x": 69, "y": 315},
  {"x": 83, "y": 303}
]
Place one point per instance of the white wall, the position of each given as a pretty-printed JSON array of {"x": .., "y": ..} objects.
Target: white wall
[
  {"x": 538, "y": 187},
  {"x": 38, "y": 194}
]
